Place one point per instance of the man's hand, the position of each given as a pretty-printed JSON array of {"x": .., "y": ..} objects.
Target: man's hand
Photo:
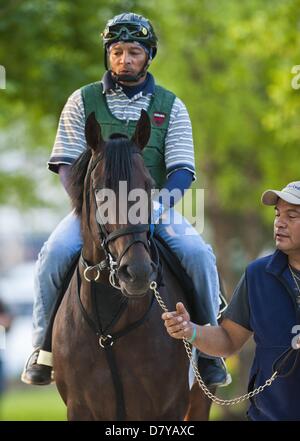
[
  {"x": 178, "y": 322},
  {"x": 218, "y": 341}
]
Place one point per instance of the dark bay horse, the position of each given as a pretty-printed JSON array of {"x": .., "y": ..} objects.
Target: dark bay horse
[{"x": 132, "y": 369}]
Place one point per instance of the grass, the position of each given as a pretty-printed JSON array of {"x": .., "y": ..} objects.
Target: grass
[
  {"x": 43, "y": 403},
  {"x": 32, "y": 403}
]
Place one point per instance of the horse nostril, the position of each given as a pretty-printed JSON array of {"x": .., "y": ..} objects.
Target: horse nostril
[
  {"x": 131, "y": 273},
  {"x": 125, "y": 274}
]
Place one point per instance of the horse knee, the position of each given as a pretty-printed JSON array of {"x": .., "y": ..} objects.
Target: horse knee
[{"x": 200, "y": 255}]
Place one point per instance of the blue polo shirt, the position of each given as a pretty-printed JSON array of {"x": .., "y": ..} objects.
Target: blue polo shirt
[{"x": 273, "y": 302}]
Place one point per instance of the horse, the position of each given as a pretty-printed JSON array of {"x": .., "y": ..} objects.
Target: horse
[{"x": 113, "y": 359}]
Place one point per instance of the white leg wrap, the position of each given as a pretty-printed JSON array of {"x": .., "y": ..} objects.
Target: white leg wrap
[{"x": 45, "y": 358}]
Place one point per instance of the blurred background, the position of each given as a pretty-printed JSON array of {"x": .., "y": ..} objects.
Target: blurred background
[{"x": 233, "y": 63}]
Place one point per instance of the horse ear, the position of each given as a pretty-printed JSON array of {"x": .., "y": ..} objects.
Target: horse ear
[
  {"x": 93, "y": 133},
  {"x": 142, "y": 131}
]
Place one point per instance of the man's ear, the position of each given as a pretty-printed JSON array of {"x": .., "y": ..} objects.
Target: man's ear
[
  {"x": 93, "y": 133},
  {"x": 142, "y": 131}
]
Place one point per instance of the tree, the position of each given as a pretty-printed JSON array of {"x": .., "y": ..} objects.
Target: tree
[
  {"x": 231, "y": 63},
  {"x": 49, "y": 49}
]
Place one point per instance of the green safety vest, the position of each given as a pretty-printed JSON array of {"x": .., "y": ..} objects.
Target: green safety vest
[{"x": 159, "y": 111}]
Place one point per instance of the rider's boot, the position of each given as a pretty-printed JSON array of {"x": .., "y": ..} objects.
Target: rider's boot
[
  {"x": 213, "y": 371},
  {"x": 36, "y": 374}
]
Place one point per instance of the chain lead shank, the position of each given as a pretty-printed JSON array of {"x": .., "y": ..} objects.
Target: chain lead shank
[{"x": 188, "y": 348}]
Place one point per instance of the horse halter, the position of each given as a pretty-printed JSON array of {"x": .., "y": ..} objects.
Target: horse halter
[{"x": 109, "y": 263}]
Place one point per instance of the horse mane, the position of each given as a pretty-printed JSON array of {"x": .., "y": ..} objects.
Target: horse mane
[
  {"x": 118, "y": 162},
  {"x": 77, "y": 175},
  {"x": 117, "y": 156}
]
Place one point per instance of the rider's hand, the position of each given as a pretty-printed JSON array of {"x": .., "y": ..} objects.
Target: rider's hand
[{"x": 178, "y": 322}]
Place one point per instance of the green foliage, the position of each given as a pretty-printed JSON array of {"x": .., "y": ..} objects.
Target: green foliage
[{"x": 230, "y": 62}]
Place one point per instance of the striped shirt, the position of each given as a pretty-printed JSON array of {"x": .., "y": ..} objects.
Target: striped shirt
[{"x": 70, "y": 139}]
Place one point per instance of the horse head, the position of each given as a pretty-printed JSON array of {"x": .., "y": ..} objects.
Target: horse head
[{"x": 116, "y": 174}]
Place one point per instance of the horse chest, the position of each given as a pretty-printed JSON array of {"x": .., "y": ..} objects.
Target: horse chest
[{"x": 147, "y": 365}]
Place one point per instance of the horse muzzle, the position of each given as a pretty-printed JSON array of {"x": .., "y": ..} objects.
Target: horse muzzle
[{"x": 135, "y": 279}]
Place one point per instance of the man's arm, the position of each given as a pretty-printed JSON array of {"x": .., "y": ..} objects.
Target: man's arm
[
  {"x": 64, "y": 171},
  {"x": 180, "y": 180},
  {"x": 70, "y": 139},
  {"x": 218, "y": 341},
  {"x": 224, "y": 340},
  {"x": 179, "y": 146},
  {"x": 179, "y": 159}
]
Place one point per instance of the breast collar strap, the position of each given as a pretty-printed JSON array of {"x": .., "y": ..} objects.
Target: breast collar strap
[{"x": 96, "y": 326}]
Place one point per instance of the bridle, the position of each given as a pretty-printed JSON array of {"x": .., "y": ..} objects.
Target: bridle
[{"x": 109, "y": 262}]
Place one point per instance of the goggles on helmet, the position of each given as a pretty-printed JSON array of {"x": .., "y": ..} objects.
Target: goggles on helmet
[{"x": 124, "y": 31}]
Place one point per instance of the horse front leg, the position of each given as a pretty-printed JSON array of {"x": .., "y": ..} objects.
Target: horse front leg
[
  {"x": 199, "y": 405},
  {"x": 77, "y": 412}
]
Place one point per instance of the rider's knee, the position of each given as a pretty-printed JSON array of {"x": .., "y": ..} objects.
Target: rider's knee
[
  {"x": 202, "y": 253},
  {"x": 55, "y": 252}
]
